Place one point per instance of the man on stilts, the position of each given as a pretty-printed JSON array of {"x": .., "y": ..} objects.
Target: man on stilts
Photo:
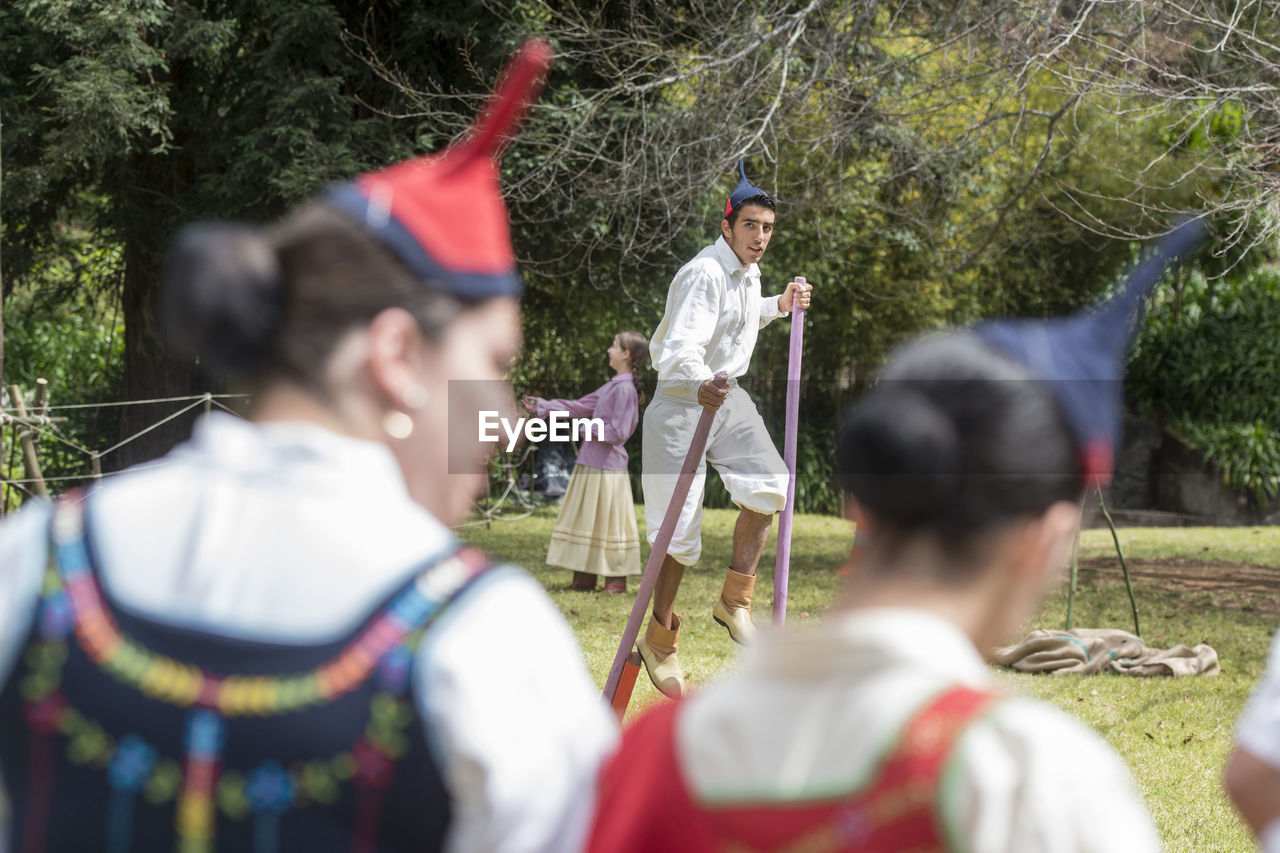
[{"x": 713, "y": 314}]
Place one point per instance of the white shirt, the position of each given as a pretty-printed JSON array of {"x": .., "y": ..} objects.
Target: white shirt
[
  {"x": 291, "y": 533},
  {"x": 1258, "y": 730},
  {"x": 714, "y": 313},
  {"x": 824, "y": 703}
]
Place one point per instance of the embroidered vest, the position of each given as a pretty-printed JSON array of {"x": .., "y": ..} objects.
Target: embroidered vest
[
  {"x": 896, "y": 813},
  {"x": 118, "y": 733}
]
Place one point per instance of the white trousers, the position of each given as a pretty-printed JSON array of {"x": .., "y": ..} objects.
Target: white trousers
[{"x": 738, "y": 447}]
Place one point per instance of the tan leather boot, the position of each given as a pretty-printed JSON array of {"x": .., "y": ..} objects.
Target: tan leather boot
[
  {"x": 733, "y": 609},
  {"x": 658, "y": 651}
]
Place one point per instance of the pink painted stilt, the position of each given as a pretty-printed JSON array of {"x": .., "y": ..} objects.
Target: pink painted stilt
[
  {"x": 656, "y": 555},
  {"x": 782, "y": 567}
]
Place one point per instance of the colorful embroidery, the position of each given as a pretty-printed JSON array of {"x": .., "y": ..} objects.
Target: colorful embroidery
[
  {"x": 170, "y": 681},
  {"x": 270, "y": 794},
  {"x": 896, "y": 813},
  {"x": 128, "y": 771},
  {"x": 72, "y": 601},
  {"x": 195, "y": 821}
]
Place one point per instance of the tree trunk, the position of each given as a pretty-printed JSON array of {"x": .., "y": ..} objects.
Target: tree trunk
[
  {"x": 1, "y": 295},
  {"x": 150, "y": 372}
]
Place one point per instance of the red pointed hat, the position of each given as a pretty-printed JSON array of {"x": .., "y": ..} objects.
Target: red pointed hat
[{"x": 443, "y": 214}]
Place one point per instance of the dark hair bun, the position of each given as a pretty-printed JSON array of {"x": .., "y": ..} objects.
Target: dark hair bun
[
  {"x": 223, "y": 296},
  {"x": 954, "y": 440},
  {"x": 900, "y": 455}
]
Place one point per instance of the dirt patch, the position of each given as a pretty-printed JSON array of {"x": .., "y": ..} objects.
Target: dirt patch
[{"x": 1244, "y": 585}]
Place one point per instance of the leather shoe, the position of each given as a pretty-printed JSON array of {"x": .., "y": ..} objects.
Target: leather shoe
[
  {"x": 658, "y": 651},
  {"x": 733, "y": 608}
]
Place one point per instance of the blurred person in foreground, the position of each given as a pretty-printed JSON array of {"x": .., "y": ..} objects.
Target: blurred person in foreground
[
  {"x": 1252, "y": 773},
  {"x": 272, "y": 640},
  {"x": 882, "y": 729}
]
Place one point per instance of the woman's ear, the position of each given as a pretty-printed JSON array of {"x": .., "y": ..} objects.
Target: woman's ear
[
  {"x": 1048, "y": 540},
  {"x": 395, "y": 354}
]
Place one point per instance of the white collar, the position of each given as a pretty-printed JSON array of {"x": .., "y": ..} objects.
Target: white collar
[
  {"x": 730, "y": 261},
  {"x": 888, "y": 636},
  {"x": 302, "y": 448}
]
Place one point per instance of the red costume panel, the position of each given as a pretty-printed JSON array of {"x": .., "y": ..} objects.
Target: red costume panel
[{"x": 646, "y": 804}]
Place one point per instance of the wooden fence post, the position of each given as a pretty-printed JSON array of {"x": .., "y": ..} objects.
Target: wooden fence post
[{"x": 28, "y": 444}]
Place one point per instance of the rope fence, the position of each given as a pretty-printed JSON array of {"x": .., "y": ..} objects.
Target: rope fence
[
  {"x": 117, "y": 403},
  {"x": 28, "y": 425}
]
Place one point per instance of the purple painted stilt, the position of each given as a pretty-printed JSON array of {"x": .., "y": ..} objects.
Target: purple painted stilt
[
  {"x": 617, "y": 688},
  {"x": 782, "y": 567}
]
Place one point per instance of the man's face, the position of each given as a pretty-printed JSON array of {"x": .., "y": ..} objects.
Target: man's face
[{"x": 750, "y": 234}]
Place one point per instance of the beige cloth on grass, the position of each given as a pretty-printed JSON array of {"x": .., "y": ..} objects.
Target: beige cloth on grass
[{"x": 1088, "y": 651}]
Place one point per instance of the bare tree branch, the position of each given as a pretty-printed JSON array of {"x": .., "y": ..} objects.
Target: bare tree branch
[{"x": 1115, "y": 114}]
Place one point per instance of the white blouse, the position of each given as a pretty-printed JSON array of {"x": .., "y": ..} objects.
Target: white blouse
[
  {"x": 817, "y": 707},
  {"x": 291, "y": 533}
]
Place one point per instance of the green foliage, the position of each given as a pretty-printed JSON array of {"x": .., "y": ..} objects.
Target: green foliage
[
  {"x": 1248, "y": 455},
  {"x": 75, "y": 342},
  {"x": 169, "y": 112},
  {"x": 1206, "y": 363},
  {"x": 816, "y": 489},
  {"x": 1207, "y": 352},
  {"x": 920, "y": 185}
]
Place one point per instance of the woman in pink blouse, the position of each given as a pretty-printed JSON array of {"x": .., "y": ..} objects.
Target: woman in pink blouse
[{"x": 595, "y": 533}]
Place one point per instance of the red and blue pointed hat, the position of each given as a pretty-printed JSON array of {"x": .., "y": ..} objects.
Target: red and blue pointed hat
[
  {"x": 742, "y": 192},
  {"x": 443, "y": 214},
  {"x": 1082, "y": 356}
]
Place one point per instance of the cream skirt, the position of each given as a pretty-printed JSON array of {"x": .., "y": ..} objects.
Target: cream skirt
[{"x": 596, "y": 529}]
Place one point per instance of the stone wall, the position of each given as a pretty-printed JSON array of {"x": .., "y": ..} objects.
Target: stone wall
[{"x": 1157, "y": 472}]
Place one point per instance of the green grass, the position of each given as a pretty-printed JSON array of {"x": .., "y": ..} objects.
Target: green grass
[
  {"x": 1173, "y": 733},
  {"x": 1259, "y": 545},
  {"x": 818, "y": 549}
]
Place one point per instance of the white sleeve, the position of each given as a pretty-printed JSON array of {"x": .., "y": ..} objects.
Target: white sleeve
[
  {"x": 693, "y": 307},
  {"x": 769, "y": 310},
  {"x": 514, "y": 719},
  {"x": 1031, "y": 779},
  {"x": 1258, "y": 731},
  {"x": 24, "y": 544}
]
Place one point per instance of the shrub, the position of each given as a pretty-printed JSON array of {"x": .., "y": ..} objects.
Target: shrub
[{"x": 1207, "y": 364}]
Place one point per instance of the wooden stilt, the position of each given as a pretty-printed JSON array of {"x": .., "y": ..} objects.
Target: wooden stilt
[
  {"x": 1075, "y": 570},
  {"x": 782, "y": 564},
  {"x": 626, "y": 684},
  {"x": 1124, "y": 564},
  {"x": 1071, "y": 591},
  {"x": 653, "y": 565}
]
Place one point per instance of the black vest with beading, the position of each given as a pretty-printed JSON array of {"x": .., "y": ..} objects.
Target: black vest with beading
[{"x": 120, "y": 733}]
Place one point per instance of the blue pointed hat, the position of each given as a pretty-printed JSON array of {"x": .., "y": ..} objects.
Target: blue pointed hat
[
  {"x": 1082, "y": 356},
  {"x": 742, "y": 192}
]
